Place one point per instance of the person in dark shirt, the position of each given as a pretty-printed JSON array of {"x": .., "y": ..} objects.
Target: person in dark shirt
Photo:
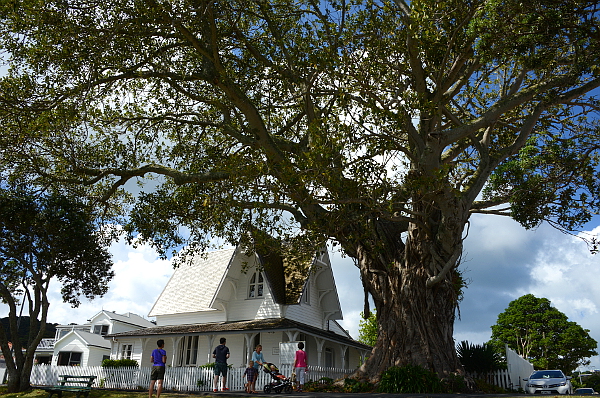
[
  {"x": 221, "y": 353},
  {"x": 157, "y": 375},
  {"x": 251, "y": 374}
]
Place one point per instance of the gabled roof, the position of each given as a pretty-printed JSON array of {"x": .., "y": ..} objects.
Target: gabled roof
[
  {"x": 89, "y": 339},
  {"x": 127, "y": 318},
  {"x": 193, "y": 286},
  {"x": 286, "y": 273}
]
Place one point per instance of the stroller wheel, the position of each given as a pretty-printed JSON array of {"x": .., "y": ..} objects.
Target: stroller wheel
[
  {"x": 288, "y": 389},
  {"x": 267, "y": 389}
]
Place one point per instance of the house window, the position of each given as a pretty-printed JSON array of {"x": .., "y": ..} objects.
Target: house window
[
  {"x": 329, "y": 359},
  {"x": 102, "y": 330},
  {"x": 68, "y": 358},
  {"x": 256, "y": 286},
  {"x": 306, "y": 293},
  {"x": 126, "y": 351},
  {"x": 188, "y": 354}
]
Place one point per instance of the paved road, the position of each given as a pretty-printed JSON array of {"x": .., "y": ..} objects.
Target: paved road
[{"x": 360, "y": 395}]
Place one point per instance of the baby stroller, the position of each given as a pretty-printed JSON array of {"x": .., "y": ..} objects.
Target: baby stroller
[{"x": 278, "y": 382}]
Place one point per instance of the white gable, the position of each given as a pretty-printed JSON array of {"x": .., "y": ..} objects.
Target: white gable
[
  {"x": 193, "y": 287},
  {"x": 77, "y": 339}
]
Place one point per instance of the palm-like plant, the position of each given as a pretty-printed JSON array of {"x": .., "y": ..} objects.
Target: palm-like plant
[{"x": 478, "y": 359}]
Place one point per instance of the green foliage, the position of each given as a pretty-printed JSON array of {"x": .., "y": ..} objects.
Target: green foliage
[
  {"x": 454, "y": 384},
  {"x": 409, "y": 379},
  {"x": 23, "y": 332},
  {"x": 45, "y": 237},
  {"x": 327, "y": 384},
  {"x": 487, "y": 387},
  {"x": 211, "y": 365},
  {"x": 356, "y": 386},
  {"x": 478, "y": 358},
  {"x": 118, "y": 363},
  {"x": 592, "y": 381},
  {"x": 543, "y": 335},
  {"x": 375, "y": 124},
  {"x": 368, "y": 329}
]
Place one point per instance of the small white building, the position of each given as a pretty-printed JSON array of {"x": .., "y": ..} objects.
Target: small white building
[
  {"x": 249, "y": 301},
  {"x": 86, "y": 345}
]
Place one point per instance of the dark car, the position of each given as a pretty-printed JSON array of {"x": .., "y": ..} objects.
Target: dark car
[{"x": 585, "y": 391}]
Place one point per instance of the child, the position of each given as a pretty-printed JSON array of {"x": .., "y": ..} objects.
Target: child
[
  {"x": 275, "y": 372},
  {"x": 251, "y": 374}
]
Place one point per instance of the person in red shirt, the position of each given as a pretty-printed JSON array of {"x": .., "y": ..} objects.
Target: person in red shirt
[{"x": 300, "y": 365}]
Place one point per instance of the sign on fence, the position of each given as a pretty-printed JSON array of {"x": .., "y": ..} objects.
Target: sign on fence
[{"x": 287, "y": 352}]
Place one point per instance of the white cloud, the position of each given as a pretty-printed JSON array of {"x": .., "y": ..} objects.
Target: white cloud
[
  {"x": 139, "y": 278},
  {"x": 503, "y": 262}
]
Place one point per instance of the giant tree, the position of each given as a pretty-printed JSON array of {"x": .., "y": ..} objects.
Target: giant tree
[
  {"x": 542, "y": 334},
  {"x": 44, "y": 239},
  {"x": 381, "y": 126}
]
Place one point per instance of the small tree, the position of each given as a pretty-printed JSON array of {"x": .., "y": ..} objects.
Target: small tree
[
  {"x": 367, "y": 329},
  {"x": 542, "y": 334},
  {"x": 44, "y": 238}
]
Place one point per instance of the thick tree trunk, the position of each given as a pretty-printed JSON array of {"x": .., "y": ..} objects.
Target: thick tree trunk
[
  {"x": 19, "y": 375},
  {"x": 416, "y": 327},
  {"x": 415, "y": 286}
]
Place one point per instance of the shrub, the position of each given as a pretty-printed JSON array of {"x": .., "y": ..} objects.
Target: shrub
[
  {"x": 488, "y": 388},
  {"x": 454, "y": 383},
  {"x": 211, "y": 365},
  {"x": 409, "y": 379},
  {"x": 118, "y": 363},
  {"x": 353, "y": 385}
]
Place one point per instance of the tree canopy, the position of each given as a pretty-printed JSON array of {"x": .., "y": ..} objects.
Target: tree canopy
[
  {"x": 44, "y": 238},
  {"x": 379, "y": 125},
  {"x": 367, "y": 329},
  {"x": 543, "y": 335}
]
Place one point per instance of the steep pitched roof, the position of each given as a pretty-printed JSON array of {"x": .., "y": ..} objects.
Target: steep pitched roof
[
  {"x": 192, "y": 287},
  {"x": 286, "y": 273},
  {"x": 127, "y": 318}
]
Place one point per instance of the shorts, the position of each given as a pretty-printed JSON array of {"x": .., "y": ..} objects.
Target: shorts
[
  {"x": 157, "y": 373},
  {"x": 220, "y": 369},
  {"x": 300, "y": 372}
]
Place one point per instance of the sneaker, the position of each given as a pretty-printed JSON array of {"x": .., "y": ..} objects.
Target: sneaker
[
  {"x": 215, "y": 390},
  {"x": 225, "y": 389}
]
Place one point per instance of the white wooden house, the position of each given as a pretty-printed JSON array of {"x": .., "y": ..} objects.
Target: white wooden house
[
  {"x": 86, "y": 345},
  {"x": 249, "y": 301}
]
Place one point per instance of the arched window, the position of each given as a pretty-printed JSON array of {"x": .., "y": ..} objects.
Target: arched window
[{"x": 256, "y": 285}]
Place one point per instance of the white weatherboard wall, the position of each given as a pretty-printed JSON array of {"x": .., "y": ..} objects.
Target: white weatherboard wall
[
  {"x": 518, "y": 368},
  {"x": 309, "y": 313},
  {"x": 95, "y": 356}
]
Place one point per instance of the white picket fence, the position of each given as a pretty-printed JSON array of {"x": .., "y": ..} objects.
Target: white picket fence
[
  {"x": 499, "y": 378},
  {"x": 176, "y": 379}
]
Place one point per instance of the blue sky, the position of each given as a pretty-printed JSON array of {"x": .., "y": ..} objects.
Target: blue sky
[{"x": 502, "y": 261}]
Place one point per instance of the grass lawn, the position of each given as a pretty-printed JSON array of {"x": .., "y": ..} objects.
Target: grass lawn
[{"x": 37, "y": 393}]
